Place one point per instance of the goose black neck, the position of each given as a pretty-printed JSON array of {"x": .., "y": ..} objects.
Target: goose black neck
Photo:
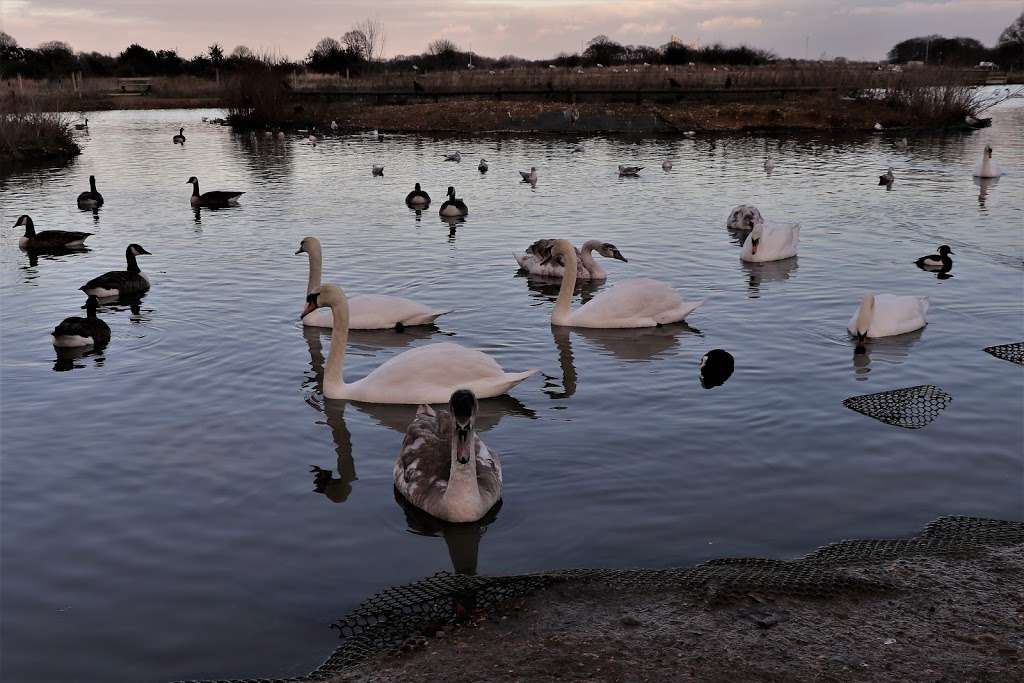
[
  {"x": 133, "y": 265},
  {"x": 90, "y": 308},
  {"x": 195, "y": 189},
  {"x": 30, "y": 229},
  {"x": 92, "y": 184}
]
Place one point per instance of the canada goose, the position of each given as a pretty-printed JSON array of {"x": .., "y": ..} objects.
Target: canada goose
[
  {"x": 213, "y": 198},
  {"x": 378, "y": 170},
  {"x": 180, "y": 137},
  {"x": 48, "y": 239},
  {"x": 453, "y": 206},
  {"x": 482, "y": 166},
  {"x": 417, "y": 198},
  {"x": 84, "y": 125},
  {"x": 120, "y": 282},
  {"x": 76, "y": 332},
  {"x": 90, "y": 199}
]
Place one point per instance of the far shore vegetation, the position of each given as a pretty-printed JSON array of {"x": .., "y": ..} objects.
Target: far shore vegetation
[{"x": 925, "y": 82}]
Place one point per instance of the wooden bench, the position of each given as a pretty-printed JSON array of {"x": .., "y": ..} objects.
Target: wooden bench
[{"x": 134, "y": 86}]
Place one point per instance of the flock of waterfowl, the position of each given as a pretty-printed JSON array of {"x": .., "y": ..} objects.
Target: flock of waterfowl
[{"x": 443, "y": 467}]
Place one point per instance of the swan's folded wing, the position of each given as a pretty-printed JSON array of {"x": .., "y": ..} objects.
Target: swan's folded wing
[
  {"x": 424, "y": 463},
  {"x": 627, "y": 303}
]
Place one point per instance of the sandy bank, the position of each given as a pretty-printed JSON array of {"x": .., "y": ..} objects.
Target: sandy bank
[{"x": 952, "y": 618}]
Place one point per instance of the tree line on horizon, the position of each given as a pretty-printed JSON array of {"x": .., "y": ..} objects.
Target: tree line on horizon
[{"x": 360, "y": 50}]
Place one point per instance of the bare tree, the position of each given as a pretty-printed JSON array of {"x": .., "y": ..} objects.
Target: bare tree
[
  {"x": 7, "y": 41},
  {"x": 442, "y": 46},
  {"x": 325, "y": 47},
  {"x": 241, "y": 52},
  {"x": 357, "y": 42},
  {"x": 373, "y": 30}
]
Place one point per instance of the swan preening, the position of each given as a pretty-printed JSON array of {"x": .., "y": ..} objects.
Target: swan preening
[
  {"x": 75, "y": 332},
  {"x": 987, "y": 167},
  {"x": 90, "y": 199},
  {"x": 425, "y": 374},
  {"x": 417, "y": 198},
  {"x": 453, "y": 206},
  {"x": 586, "y": 267},
  {"x": 939, "y": 261},
  {"x": 444, "y": 468},
  {"x": 886, "y": 315},
  {"x": 365, "y": 311},
  {"x": 48, "y": 239},
  {"x": 212, "y": 198},
  {"x": 771, "y": 242},
  {"x": 117, "y": 283},
  {"x": 631, "y": 303},
  {"x": 744, "y": 217},
  {"x": 180, "y": 137}
]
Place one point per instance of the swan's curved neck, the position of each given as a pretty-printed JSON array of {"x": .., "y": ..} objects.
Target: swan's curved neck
[
  {"x": 463, "y": 491},
  {"x": 315, "y": 267},
  {"x": 586, "y": 255},
  {"x": 334, "y": 372},
  {"x": 563, "y": 306}
]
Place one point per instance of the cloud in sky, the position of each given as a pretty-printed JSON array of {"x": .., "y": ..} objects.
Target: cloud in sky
[{"x": 529, "y": 28}]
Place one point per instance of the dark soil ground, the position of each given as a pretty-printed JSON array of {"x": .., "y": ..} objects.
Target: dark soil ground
[{"x": 950, "y": 619}]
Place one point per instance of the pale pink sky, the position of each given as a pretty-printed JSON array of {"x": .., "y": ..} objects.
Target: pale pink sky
[{"x": 528, "y": 28}]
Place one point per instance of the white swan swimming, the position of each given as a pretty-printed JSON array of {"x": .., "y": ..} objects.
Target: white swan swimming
[
  {"x": 987, "y": 167},
  {"x": 744, "y": 217},
  {"x": 631, "y": 303},
  {"x": 885, "y": 315},
  {"x": 425, "y": 374},
  {"x": 366, "y": 311},
  {"x": 444, "y": 468},
  {"x": 771, "y": 242},
  {"x": 587, "y": 268}
]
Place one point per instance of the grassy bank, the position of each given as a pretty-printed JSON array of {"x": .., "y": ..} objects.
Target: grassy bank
[
  {"x": 35, "y": 136},
  {"x": 954, "y": 618}
]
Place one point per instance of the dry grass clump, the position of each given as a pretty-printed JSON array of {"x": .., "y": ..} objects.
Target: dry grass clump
[{"x": 27, "y": 136}]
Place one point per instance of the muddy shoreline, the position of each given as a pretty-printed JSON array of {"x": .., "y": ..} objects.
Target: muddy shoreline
[{"x": 949, "y": 618}]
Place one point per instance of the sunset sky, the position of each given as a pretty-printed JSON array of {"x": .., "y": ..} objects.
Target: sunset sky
[{"x": 528, "y": 28}]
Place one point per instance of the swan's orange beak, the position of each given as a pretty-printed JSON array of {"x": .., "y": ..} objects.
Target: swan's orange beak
[{"x": 307, "y": 310}]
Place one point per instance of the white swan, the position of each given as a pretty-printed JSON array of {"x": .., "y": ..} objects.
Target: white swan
[
  {"x": 444, "y": 468},
  {"x": 885, "y": 315},
  {"x": 426, "y": 374},
  {"x": 587, "y": 268},
  {"x": 743, "y": 217},
  {"x": 771, "y": 242},
  {"x": 366, "y": 311},
  {"x": 987, "y": 167},
  {"x": 631, "y": 303}
]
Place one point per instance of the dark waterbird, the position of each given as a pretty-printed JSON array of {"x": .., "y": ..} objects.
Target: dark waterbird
[
  {"x": 715, "y": 368},
  {"x": 180, "y": 137},
  {"x": 48, "y": 239},
  {"x": 212, "y": 198},
  {"x": 118, "y": 283},
  {"x": 76, "y": 332},
  {"x": 90, "y": 199},
  {"x": 417, "y": 198},
  {"x": 940, "y": 261},
  {"x": 453, "y": 206}
]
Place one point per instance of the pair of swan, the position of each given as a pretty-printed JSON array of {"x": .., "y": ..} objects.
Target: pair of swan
[
  {"x": 587, "y": 268},
  {"x": 764, "y": 241},
  {"x": 76, "y": 332},
  {"x": 91, "y": 198},
  {"x": 886, "y": 315},
  {"x": 631, "y": 303},
  {"x": 118, "y": 283},
  {"x": 365, "y": 311},
  {"x": 987, "y": 167},
  {"x": 426, "y": 374},
  {"x": 48, "y": 239},
  {"x": 213, "y": 198},
  {"x": 443, "y": 467}
]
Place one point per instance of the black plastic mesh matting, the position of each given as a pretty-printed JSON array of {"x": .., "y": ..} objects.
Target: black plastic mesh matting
[{"x": 910, "y": 408}]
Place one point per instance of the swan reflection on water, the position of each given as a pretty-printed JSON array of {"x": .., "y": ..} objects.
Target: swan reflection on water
[
  {"x": 463, "y": 540},
  {"x": 769, "y": 271},
  {"x": 628, "y": 344},
  {"x": 984, "y": 185},
  {"x": 545, "y": 289},
  {"x": 393, "y": 416},
  {"x": 893, "y": 350}
]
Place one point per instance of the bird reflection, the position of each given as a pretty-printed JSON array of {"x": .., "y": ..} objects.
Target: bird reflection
[
  {"x": 984, "y": 185},
  {"x": 70, "y": 358},
  {"x": 636, "y": 344},
  {"x": 546, "y": 288},
  {"x": 336, "y": 489},
  {"x": 768, "y": 271},
  {"x": 893, "y": 350},
  {"x": 51, "y": 254},
  {"x": 418, "y": 213},
  {"x": 463, "y": 540},
  {"x": 453, "y": 222}
]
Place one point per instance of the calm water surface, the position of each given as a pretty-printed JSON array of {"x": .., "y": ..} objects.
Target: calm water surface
[{"x": 159, "y": 519}]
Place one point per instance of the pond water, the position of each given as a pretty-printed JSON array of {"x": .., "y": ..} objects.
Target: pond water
[{"x": 159, "y": 517}]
